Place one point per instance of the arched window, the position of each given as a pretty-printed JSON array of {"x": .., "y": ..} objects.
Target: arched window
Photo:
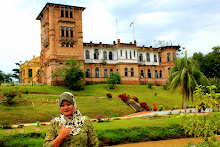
[
  {"x": 126, "y": 72},
  {"x": 97, "y": 72},
  {"x": 159, "y": 58},
  {"x": 161, "y": 74},
  {"x": 142, "y": 73},
  {"x": 156, "y": 74},
  {"x": 87, "y": 54},
  {"x": 168, "y": 57},
  {"x": 149, "y": 73},
  {"x": 132, "y": 72},
  {"x": 105, "y": 72},
  {"x": 110, "y": 55},
  {"x": 105, "y": 55},
  {"x": 140, "y": 57},
  {"x": 148, "y": 57},
  {"x": 62, "y": 31},
  {"x": 67, "y": 32},
  {"x": 111, "y": 71},
  {"x": 155, "y": 58},
  {"x": 87, "y": 73},
  {"x": 174, "y": 56},
  {"x": 96, "y": 54}
]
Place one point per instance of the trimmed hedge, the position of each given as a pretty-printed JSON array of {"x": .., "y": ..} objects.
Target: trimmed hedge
[{"x": 106, "y": 137}]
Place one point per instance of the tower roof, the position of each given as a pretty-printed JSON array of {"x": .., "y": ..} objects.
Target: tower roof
[{"x": 49, "y": 4}]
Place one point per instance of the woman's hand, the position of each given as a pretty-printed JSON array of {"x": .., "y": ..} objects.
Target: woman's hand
[{"x": 64, "y": 132}]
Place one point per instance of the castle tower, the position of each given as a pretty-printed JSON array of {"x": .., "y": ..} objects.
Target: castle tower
[{"x": 61, "y": 39}]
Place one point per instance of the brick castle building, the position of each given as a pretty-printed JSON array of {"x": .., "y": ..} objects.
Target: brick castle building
[{"x": 62, "y": 39}]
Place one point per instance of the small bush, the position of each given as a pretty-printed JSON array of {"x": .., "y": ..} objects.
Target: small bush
[
  {"x": 109, "y": 95},
  {"x": 155, "y": 107},
  {"x": 124, "y": 97},
  {"x": 150, "y": 85},
  {"x": 135, "y": 99},
  {"x": 165, "y": 87},
  {"x": 145, "y": 106},
  {"x": 191, "y": 106},
  {"x": 161, "y": 107}
]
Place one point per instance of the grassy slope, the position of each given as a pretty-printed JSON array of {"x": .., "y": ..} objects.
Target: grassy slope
[{"x": 91, "y": 102}]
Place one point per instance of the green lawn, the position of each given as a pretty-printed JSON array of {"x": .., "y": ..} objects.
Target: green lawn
[{"x": 40, "y": 104}]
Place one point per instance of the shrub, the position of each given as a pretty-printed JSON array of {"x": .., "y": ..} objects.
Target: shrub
[
  {"x": 113, "y": 80},
  {"x": 176, "y": 107},
  {"x": 191, "y": 106},
  {"x": 161, "y": 107},
  {"x": 165, "y": 87},
  {"x": 135, "y": 99},
  {"x": 9, "y": 94},
  {"x": 145, "y": 106},
  {"x": 100, "y": 118},
  {"x": 150, "y": 85},
  {"x": 124, "y": 97},
  {"x": 155, "y": 107},
  {"x": 109, "y": 95}
]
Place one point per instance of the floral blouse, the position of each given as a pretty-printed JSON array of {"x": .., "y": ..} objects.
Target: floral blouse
[{"x": 85, "y": 138}]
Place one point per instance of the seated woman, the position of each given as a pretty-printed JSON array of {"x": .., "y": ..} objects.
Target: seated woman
[{"x": 71, "y": 128}]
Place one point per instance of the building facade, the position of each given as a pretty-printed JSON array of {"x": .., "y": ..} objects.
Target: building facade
[
  {"x": 29, "y": 71},
  {"x": 62, "y": 39}
]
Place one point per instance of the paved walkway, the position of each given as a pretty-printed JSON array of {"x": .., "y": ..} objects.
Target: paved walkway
[{"x": 164, "y": 143}]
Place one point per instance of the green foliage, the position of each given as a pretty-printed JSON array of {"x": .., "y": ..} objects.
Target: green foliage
[
  {"x": 209, "y": 64},
  {"x": 114, "y": 79},
  {"x": 9, "y": 94},
  {"x": 74, "y": 75},
  {"x": 161, "y": 107},
  {"x": 206, "y": 126},
  {"x": 186, "y": 74},
  {"x": 136, "y": 134},
  {"x": 1, "y": 76},
  {"x": 165, "y": 87},
  {"x": 150, "y": 85}
]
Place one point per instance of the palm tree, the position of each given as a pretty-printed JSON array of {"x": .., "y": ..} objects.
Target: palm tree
[{"x": 186, "y": 74}]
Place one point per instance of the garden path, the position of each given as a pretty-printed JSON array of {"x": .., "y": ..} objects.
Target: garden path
[{"x": 164, "y": 143}]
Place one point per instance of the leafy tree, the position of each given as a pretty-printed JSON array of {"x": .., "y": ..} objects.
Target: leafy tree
[
  {"x": 206, "y": 126},
  {"x": 209, "y": 64},
  {"x": 186, "y": 74},
  {"x": 7, "y": 77},
  {"x": 16, "y": 71},
  {"x": 74, "y": 75},
  {"x": 1, "y": 76},
  {"x": 114, "y": 79}
]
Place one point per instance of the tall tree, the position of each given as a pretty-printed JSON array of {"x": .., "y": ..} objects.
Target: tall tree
[
  {"x": 186, "y": 74},
  {"x": 73, "y": 74},
  {"x": 1, "y": 76},
  {"x": 7, "y": 77},
  {"x": 209, "y": 64},
  {"x": 16, "y": 71}
]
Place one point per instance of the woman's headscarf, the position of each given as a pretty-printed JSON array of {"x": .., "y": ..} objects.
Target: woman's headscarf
[{"x": 76, "y": 120}]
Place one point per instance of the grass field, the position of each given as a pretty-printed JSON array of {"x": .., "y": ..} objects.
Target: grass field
[{"x": 40, "y": 104}]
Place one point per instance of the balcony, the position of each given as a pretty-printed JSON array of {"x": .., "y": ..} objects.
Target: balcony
[{"x": 67, "y": 39}]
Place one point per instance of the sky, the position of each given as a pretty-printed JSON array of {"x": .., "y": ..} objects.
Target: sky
[{"x": 193, "y": 24}]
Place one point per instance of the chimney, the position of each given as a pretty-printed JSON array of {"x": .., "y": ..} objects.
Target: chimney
[
  {"x": 114, "y": 43},
  {"x": 100, "y": 42},
  {"x": 150, "y": 46},
  {"x": 130, "y": 42},
  {"x": 118, "y": 42},
  {"x": 135, "y": 44}
]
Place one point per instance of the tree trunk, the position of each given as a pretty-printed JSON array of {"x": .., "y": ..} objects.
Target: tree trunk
[{"x": 185, "y": 103}]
